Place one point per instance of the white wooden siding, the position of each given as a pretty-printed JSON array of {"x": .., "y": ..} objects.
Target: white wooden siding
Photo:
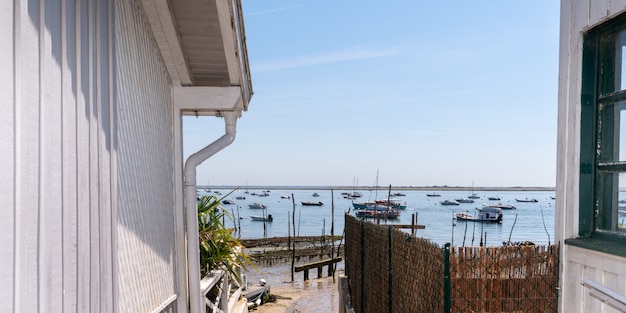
[
  {"x": 146, "y": 229},
  {"x": 8, "y": 207},
  {"x": 86, "y": 166},
  {"x": 576, "y": 263}
]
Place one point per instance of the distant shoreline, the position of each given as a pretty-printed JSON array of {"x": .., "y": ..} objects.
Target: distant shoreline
[{"x": 395, "y": 188}]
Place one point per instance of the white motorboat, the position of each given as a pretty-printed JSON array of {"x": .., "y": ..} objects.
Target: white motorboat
[
  {"x": 485, "y": 214},
  {"x": 260, "y": 218},
  {"x": 257, "y": 205},
  {"x": 464, "y": 200}
]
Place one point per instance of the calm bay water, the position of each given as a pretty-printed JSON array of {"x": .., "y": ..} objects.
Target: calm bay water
[{"x": 315, "y": 220}]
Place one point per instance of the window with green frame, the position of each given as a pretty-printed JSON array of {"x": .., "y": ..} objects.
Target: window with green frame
[{"x": 602, "y": 201}]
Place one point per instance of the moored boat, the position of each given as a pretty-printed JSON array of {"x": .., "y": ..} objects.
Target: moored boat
[
  {"x": 434, "y": 194},
  {"x": 526, "y": 200},
  {"x": 449, "y": 202},
  {"x": 464, "y": 200},
  {"x": 382, "y": 214},
  {"x": 361, "y": 205},
  {"x": 267, "y": 218},
  {"x": 494, "y": 198},
  {"x": 392, "y": 203},
  {"x": 257, "y": 205},
  {"x": 486, "y": 214},
  {"x": 501, "y": 206},
  {"x": 311, "y": 203},
  {"x": 226, "y": 201}
]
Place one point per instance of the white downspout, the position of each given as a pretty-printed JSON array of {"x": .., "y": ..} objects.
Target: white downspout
[{"x": 196, "y": 304}]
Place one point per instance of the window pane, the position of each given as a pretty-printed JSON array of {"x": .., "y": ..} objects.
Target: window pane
[
  {"x": 612, "y": 143},
  {"x": 620, "y": 222},
  {"x": 620, "y": 61},
  {"x": 620, "y": 53},
  {"x": 611, "y": 214},
  {"x": 621, "y": 140}
]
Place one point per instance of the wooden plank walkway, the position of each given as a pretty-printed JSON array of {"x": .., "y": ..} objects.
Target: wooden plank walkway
[{"x": 319, "y": 265}]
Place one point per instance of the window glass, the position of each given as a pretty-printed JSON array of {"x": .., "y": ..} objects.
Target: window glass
[
  {"x": 620, "y": 211},
  {"x": 612, "y": 139},
  {"x": 621, "y": 133},
  {"x": 620, "y": 61},
  {"x": 611, "y": 214}
]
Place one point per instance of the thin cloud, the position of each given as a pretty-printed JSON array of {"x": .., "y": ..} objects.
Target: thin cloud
[
  {"x": 274, "y": 10},
  {"x": 327, "y": 58}
]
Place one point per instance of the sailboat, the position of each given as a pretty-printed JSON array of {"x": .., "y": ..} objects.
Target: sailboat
[
  {"x": 355, "y": 194},
  {"x": 473, "y": 195},
  {"x": 379, "y": 208}
]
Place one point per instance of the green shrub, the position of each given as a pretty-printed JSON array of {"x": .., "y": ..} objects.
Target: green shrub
[{"x": 218, "y": 247}]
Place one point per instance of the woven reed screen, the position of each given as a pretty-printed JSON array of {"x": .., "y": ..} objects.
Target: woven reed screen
[
  {"x": 410, "y": 281},
  {"x": 392, "y": 271},
  {"x": 504, "y": 279}
]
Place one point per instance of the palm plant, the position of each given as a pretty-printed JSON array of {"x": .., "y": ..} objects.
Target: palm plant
[{"x": 218, "y": 247}]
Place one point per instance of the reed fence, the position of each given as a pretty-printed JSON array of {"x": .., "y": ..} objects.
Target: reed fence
[{"x": 393, "y": 271}]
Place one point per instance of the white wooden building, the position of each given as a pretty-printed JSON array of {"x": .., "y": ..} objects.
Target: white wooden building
[
  {"x": 92, "y": 94},
  {"x": 591, "y": 161}
]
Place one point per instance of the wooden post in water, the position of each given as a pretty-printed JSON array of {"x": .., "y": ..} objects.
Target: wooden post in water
[
  {"x": 239, "y": 221},
  {"x": 264, "y": 224},
  {"x": 332, "y": 233},
  {"x": 289, "y": 240},
  {"x": 323, "y": 239},
  {"x": 413, "y": 224},
  {"x": 293, "y": 221}
]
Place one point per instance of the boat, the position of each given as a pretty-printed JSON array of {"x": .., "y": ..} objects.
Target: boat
[
  {"x": 526, "y": 200},
  {"x": 448, "y": 202},
  {"x": 311, "y": 203},
  {"x": 226, "y": 201},
  {"x": 240, "y": 198},
  {"x": 361, "y": 205},
  {"x": 434, "y": 194},
  {"x": 285, "y": 197},
  {"x": 257, "y": 205},
  {"x": 485, "y": 214},
  {"x": 356, "y": 194},
  {"x": 494, "y": 198},
  {"x": 392, "y": 203},
  {"x": 473, "y": 195},
  {"x": 377, "y": 214},
  {"x": 464, "y": 200},
  {"x": 315, "y": 194},
  {"x": 501, "y": 206},
  {"x": 261, "y": 218},
  {"x": 382, "y": 214},
  {"x": 398, "y": 194}
]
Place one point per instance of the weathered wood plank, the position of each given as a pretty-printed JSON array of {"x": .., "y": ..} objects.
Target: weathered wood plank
[{"x": 308, "y": 266}]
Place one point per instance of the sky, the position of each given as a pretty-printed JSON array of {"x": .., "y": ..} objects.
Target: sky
[{"x": 402, "y": 93}]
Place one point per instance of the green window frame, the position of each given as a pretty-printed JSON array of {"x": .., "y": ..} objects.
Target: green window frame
[{"x": 603, "y": 140}]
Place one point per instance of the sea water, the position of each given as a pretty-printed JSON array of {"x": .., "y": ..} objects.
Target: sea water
[{"x": 530, "y": 221}]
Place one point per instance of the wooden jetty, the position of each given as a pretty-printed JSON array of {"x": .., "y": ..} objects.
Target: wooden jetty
[{"x": 319, "y": 265}]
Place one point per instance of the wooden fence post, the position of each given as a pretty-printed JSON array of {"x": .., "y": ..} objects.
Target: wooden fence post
[{"x": 446, "y": 279}]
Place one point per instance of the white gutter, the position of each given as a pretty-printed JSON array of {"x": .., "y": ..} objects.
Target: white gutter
[{"x": 196, "y": 304}]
